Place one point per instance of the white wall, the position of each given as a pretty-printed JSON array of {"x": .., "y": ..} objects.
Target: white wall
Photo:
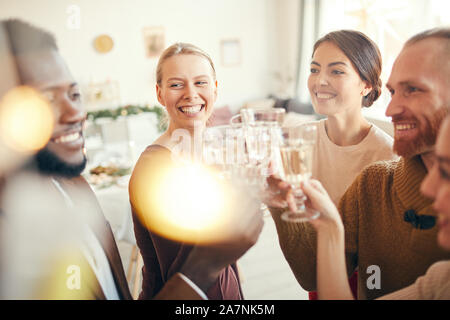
[
  {"x": 288, "y": 27},
  {"x": 202, "y": 22}
]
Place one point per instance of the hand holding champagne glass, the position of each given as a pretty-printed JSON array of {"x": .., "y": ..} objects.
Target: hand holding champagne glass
[{"x": 296, "y": 152}]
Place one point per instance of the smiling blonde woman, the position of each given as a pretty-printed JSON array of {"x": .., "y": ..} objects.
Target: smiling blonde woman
[{"x": 187, "y": 88}]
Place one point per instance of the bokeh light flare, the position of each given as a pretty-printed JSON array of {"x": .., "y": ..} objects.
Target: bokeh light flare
[
  {"x": 26, "y": 120},
  {"x": 191, "y": 197},
  {"x": 183, "y": 202}
]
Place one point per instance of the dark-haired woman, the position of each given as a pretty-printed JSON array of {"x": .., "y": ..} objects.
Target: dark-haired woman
[{"x": 344, "y": 78}]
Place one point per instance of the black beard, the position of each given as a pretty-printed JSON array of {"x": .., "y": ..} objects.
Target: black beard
[{"x": 49, "y": 163}]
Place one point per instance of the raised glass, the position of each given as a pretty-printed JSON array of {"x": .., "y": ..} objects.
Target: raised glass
[{"x": 296, "y": 153}]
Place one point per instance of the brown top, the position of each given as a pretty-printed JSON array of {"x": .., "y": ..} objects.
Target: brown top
[
  {"x": 162, "y": 257},
  {"x": 376, "y": 233}
]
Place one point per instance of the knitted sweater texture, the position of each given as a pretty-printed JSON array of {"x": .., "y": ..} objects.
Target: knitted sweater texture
[{"x": 377, "y": 238}]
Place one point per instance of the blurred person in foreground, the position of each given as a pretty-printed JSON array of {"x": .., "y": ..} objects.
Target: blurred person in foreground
[
  {"x": 25, "y": 127},
  {"x": 388, "y": 223},
  {"x": 8, "y": 81},
  {"x": 93, "y": 255},
  {"x": 331, "y": 269}
]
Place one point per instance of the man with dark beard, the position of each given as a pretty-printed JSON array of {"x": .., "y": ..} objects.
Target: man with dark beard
[
  {"x": 61, "y": 162},
  {"x": 390, "y": 227}
]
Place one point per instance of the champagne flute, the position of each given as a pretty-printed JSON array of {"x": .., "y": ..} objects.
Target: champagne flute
[
  {"x": 260, "y": 126},
  {"x": 223, "y": 148},
  {"x": 296, "y": 152}
]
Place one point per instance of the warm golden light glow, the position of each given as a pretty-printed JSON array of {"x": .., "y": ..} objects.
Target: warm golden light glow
[
  {"x": 191, "y": 197},
  {"x": 26, "y": 120},
  {"x": 183, "y": 202},
  {"x": 68, "y": 277}
]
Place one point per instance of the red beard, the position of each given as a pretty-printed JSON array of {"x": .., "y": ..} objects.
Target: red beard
[{"x": 426, "y": 139}]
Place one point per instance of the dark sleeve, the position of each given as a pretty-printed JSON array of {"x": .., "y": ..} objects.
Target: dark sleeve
[
  {"x": 151, "y": 274},
  {"x": 144, "y": 183},
  {"x": 161, "y": 256}
]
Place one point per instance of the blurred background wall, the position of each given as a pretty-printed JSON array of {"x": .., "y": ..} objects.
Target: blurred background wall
[
  {"x": 204, "y": 23},
  {"x": 274, "y": 38}
]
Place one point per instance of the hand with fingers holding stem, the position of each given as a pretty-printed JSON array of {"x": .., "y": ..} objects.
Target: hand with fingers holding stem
[{"x": 332, "y": 281}]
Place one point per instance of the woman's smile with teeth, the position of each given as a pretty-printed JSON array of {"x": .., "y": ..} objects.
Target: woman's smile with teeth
[
  {"x": 322, "y": 95},
  {"x": 191, "y": 109}
]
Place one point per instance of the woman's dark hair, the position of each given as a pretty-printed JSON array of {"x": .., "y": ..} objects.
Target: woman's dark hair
[{"x": 364, "y": 55}]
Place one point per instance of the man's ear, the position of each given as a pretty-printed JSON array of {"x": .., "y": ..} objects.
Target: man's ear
[{"x": 158, "y": 95}]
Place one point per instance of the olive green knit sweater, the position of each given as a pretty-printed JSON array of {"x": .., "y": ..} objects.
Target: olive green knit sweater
[{"x": 373, "y": 210}]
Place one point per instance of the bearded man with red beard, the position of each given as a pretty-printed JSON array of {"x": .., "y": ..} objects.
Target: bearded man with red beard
[{"x": 390, "y": 227}]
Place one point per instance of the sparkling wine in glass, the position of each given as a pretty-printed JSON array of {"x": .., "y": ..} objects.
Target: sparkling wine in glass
[{"x": 296, "y": 153}]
